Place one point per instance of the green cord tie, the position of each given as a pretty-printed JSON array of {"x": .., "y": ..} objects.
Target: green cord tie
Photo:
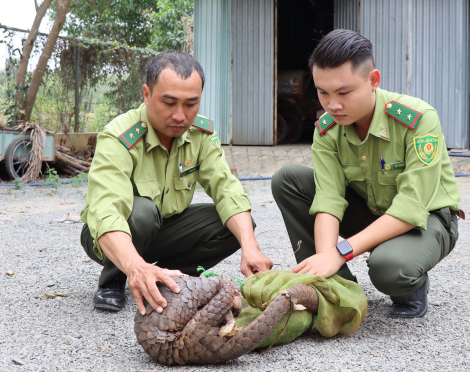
[{"x": 209, "y": 273}]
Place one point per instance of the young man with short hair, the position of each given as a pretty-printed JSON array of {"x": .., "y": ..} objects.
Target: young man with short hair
[{"x": 382, "y": 180}]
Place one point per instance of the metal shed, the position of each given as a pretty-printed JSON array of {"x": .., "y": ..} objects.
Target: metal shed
[{"x": 421, "y": 48}]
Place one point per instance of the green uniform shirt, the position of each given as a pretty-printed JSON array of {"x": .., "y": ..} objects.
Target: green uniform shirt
[
  {"x": 406, "y": 185},
  {"x": 148, "y": 170}
]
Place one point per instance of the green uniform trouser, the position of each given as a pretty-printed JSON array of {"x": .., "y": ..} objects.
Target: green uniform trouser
[
  {"x": 195, "y": 237},
  {"x": 396, "y": 267}
]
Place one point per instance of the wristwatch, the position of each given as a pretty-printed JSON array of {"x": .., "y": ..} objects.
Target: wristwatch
[{"x": 345, "y": 250}]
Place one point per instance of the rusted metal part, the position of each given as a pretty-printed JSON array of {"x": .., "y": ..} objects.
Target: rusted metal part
[{"x": 198, "y": 325}]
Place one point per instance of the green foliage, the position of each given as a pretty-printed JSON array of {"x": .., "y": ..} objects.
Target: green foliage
[
  {"x": 169, "y": 25},
  {"x": 76, "y": 181},
  {"x": 17, "y": 183},
  {"x": 52, "y": 176},
  {"x": 110, "y": 75},
  {"x": 123, "y": 21},
  {"x": 13, "y": 108}
]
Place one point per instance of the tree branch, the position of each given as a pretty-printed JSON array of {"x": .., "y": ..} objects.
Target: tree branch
[
  {"x": 28, "y": 46},
  {"x": 63, "y": 8}
]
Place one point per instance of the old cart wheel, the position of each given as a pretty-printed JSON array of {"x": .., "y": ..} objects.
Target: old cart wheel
[
  {"x": 294, "y": 128},
  {"x": 281, "y": 129},
  {"x": 17, "y": 156}
]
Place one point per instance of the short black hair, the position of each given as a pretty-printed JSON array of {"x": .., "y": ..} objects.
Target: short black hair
[
  {"x": 341, "y": 46},
  {"x": 182, "y": 63}
]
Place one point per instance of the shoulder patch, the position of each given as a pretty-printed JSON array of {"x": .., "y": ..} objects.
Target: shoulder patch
[
  {"x": 216, "y": 141},
  {"x": 324, "y": 123},
  {"x": 203, "y": 124},
  {"x": 426, "y": 148},
  {"x": 130, "y": 137},
  {"x": 403, "y": 114}
]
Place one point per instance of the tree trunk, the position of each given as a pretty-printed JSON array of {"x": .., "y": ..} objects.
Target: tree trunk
[
  {"x": 28, "y": 47},
  {"x": 63, "y": 7}
]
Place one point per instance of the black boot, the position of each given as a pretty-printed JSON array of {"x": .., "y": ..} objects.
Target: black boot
[
  {"x": 110, "y": 296},
  {"x": 416, "y": 306}
]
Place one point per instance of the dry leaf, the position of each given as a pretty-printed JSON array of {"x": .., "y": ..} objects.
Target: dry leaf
[
  {"x": 54, "y": 295},
  {"x": 43, "y": 249},
  {"x": 10, "y": 273},
  {"x": 50, "y": 193}
]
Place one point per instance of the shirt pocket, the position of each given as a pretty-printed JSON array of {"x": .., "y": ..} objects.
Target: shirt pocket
[
  {"x": 148, "y": 189},
  {"x": 388, "y": 181},
  {"x": 183, "y": 191},
  {"x": 355, "y": 178},
  {"x": 389, "y": 178}
]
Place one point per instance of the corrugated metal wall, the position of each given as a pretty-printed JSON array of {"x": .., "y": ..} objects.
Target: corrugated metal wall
[
  {"x": 347, "y": 15},
  {"x": 212, "y": 50},
  {"x": 421, "y": 48},
  {"x": 252, "y": 72},
  {"x": 385, "y": 23},
  {"x": 439, "y": 63}
]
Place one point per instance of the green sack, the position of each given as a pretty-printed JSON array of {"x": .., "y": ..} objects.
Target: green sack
[{"x": 341, "y": 309}]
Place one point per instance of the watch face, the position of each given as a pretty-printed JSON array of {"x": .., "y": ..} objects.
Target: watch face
[{"x": 344, "y": 248}]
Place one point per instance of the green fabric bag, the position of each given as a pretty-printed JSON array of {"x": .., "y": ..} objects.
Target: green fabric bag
[{"x": 341, "y": 309}]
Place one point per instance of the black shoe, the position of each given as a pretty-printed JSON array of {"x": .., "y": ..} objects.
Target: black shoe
[
  {"x": 416, "y": 306},
  {"x": 110, "y": 296}
]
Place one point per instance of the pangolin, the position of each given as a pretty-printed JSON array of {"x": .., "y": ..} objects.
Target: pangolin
[{"x": 198, "y": 324}]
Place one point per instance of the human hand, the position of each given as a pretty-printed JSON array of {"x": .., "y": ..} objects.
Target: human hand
[
  {"x": 324, "y": 264},
  {"x": 142, "y": 280},
  {"x": 253, "y": 262}
]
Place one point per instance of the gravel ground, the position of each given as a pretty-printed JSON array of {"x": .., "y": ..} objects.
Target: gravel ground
[{"x": 67, "y": 334}]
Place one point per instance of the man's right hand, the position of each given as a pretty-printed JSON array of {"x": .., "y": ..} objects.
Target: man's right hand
[
  {"x": 142, "y": 280},
  {"x": 142, "y": 276}
]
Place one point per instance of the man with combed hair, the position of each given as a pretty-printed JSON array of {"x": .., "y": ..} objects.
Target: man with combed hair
[
  {"x": 141, "y": 183},
  {"x": 382, "y": 180}
]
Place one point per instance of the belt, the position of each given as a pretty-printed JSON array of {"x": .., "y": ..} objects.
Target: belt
[{"x": 460, "y": 214}]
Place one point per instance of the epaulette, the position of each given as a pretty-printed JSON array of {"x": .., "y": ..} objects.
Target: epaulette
[
  {"x": 203, "y": 124},
  {"x": 130, "y": 137},
  {"x": 324, "y": 123},
  {"x": 405, "y": 115}
]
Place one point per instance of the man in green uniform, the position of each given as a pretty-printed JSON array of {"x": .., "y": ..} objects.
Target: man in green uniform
[
  {"x": 141, "y": 183},
  {"x": 382, "y": 180}
]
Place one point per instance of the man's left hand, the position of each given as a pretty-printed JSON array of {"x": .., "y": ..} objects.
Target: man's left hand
[
  {"x": 325, "y": 264},
  {"x": 254, "y": 262}
]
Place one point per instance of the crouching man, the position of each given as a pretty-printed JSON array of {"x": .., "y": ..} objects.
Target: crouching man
[
  {"x": 382, "y": 180},
  {"x": 141, "y": 183}
]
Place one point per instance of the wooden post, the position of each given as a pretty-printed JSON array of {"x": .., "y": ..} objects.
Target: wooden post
[{"x": 77, "y": 89}]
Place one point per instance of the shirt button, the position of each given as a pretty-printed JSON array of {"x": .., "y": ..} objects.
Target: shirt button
[
  {"x": 370, "y": 185},
  {"x": 189, "y": 184},
  {"x": 395, "y": 180},
  {"x": 374, "y": 210},
  {"x": 364, "y": 157},
  {"x": 167, "y": 191}
]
